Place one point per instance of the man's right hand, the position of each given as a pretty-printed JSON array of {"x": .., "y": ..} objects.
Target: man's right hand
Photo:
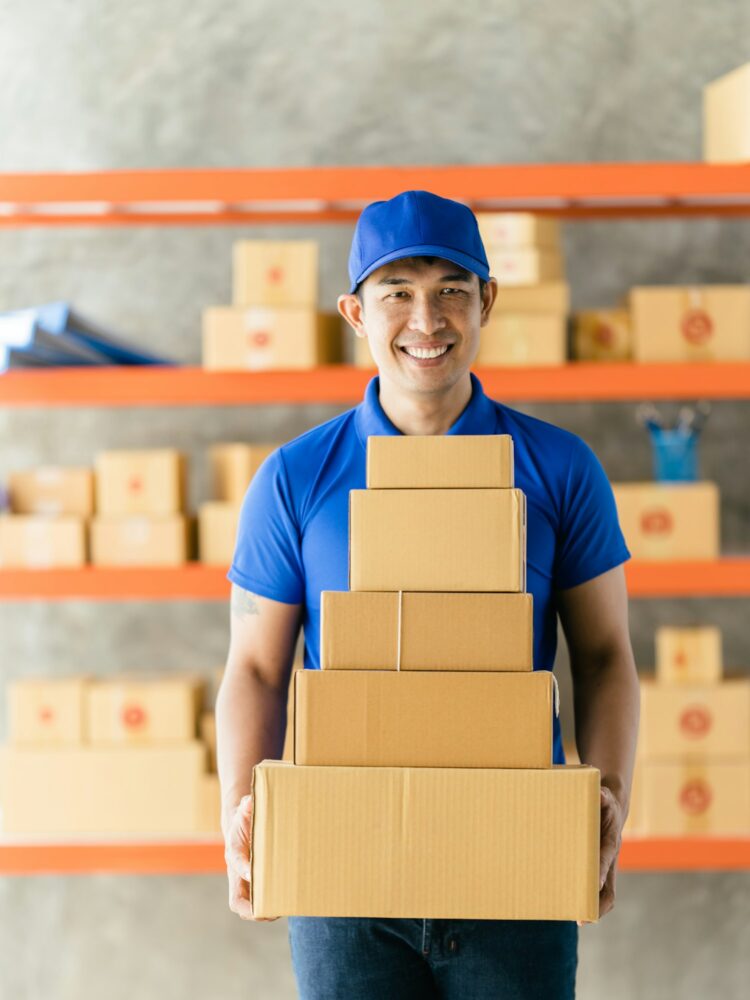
[{"x": 237, "y": 843}]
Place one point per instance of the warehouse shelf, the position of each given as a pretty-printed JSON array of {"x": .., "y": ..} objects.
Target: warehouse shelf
[
  {"x": 728, "y": 577},
  {"x": 337, "y": 194},
  {"x": 342, "y": 384},
  {"x": 206, "y": 856}
]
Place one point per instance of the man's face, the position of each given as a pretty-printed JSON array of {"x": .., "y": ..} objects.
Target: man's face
[{"x": 422, "y": 318}]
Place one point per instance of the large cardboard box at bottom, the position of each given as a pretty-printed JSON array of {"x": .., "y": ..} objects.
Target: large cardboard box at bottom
[
  {"x": 34, "y": 541},
  {"x": 472, "y": 843},
  {"x": 101, "y": 790},
  {"x": 523, "y": 339},
  {"x": 253, "y": 339},
  {"x": 388, "y": 718},
  {"x": 669, "y": 520},
  {"x": 726, "y": 117},
  {"x": 707, "y": 323},
  {"x": 696, "y": 798},
  {"x": 462, "y": 540}
]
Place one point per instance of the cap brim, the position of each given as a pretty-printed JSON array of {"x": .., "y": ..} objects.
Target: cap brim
[{"x": 464, "y": 260}]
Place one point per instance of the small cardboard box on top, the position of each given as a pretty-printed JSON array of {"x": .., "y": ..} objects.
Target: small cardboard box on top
[
  {"x": 254, "y": 338},
  {"x": 695, "y": 721},
  {"x": 669, "y": 520},
  {"x": 52, "y": 489},
  {"x": 46, "y": 710},
  {"x": 148, "y": 481},
  {"x": 135, "y": 709},
  {"x": 39, "y": 541},
  {"x": 474, "y": 843},
  {"x": 388, "y": 718},
  {"x": 696, "y": 797},
  {"x": 233, "y": 466},
  {"x": 275, "y": 273},
  {"x": 440, "y": 461},
  {"x": 688, "y": 655},
  {"x": 726, "y": 121},
  {"x": 359, "y": 630},
  {"x": 705, "y": 323}
]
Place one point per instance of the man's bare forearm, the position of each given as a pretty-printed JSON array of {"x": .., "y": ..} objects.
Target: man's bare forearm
[{"x": 607, "y": 709}]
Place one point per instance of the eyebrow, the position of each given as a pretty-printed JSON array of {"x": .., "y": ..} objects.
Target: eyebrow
[{"x": 465, "y": 278}]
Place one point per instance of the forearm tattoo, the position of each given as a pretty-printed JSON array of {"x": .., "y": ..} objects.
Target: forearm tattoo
[{"x": 243, "y": 602}]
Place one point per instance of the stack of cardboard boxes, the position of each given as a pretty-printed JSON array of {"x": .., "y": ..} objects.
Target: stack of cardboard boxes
[
  {"x": 49, "y": 510},
  {"x": 693, "y": 767},
  {"x": 105, "y": 756},
  {"x": 669, "y": 521},
  {"x": 274, "y": 320},
  {"x": 422, "y": 782}
]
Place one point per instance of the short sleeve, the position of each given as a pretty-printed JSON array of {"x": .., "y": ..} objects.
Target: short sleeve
[
  {"x": 590, "y": 541},
  {"x": 267, "y": 558}
]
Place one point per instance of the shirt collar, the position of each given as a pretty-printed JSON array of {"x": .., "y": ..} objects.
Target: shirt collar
[{"x": 478, "y": 417}]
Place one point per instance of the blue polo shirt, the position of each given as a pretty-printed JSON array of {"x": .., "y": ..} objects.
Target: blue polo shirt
[{"x": 293, "y": 538}]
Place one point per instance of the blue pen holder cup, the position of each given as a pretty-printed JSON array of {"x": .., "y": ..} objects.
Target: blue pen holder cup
[{"x": 675, "y": 455}]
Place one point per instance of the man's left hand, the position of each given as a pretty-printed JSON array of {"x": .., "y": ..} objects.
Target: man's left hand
[{"x": 611, "y": 836}]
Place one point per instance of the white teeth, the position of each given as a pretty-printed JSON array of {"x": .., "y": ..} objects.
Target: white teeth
[{"x": 421, "y": 352}]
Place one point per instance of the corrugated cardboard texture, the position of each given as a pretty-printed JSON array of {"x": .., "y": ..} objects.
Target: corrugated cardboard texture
[
  {"x": 669, "y": 521},
  {"x": 46, "y": 710},
  {"x": 151, "y": 481},
  {"x": 140, "y": 541},
  {"x": 441, "y": 461},
  {"x": 359, "y": 631},
  {"x": 697, "y": 798},
  {"x": 52, "y": 489},
  {"x": 233, "y": 467},
  {"x": 726, "y": 121},
  {"x": 36, "y": 541},
  {"x": 101, "y": 790},
  {"x": 704, "y": 323},
  {"x": 688, "y": 655},
  {"x": 467, "y": 540},
  {"x": 523, "y": 339},
  {"x": 275, "y": 273},
  {"x": 426, "y": 842},
  {"x": 381, "y": 718},
  {"x": 706, "y": 721},
  {"x": 143, "y": 711}
]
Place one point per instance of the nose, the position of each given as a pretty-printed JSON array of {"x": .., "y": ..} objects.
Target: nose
[{"x": 426, "y": 315}]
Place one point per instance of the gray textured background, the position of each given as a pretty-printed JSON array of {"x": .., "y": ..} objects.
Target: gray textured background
[{"x": 90, "y": 85}]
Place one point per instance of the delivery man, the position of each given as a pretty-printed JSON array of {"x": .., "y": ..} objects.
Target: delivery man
[{"x": 420, "y": 292}]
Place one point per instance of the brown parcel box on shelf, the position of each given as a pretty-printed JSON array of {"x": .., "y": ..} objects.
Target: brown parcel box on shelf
[
  {"x": 523, "y": 339},
  {"x": 525, "y": 266},
  {"x": 36, "y": 541},
  {"x": 275, "y": 273},
  {"x": 548, "y": 297},
  {"x": 726, "y": 117},
  {"x": 143, "y": 710},
  {"x": 150, "y": 481},
  {"x": 517, "y": 229},
  {"x": 257, "y": 338},
  {"x": 101, "y": 789},
  {"x": 439, "y": 461},
  {"x": 669, "y": 520},
  {"x": 140, "y": 541},
  {"x": 233, "y": 466},
  {"x": 707, "y": 323},
  {"x": 475, "y": 843},
  {"x": 217, "y": 531},
  {"x": 46, "y": 710},
  {"x": 688, "y": 655},
  {"x": 52, "y": 489},
  {"x": 602, "y": 335},
  {"x": 696, "y": 798},
  {"x": 400, "y": 541},
  {"x": 696, "y": 720},
  {"x": 388, "y": 718},
  {"x": 207, "y": 732},
  {"x": 359, "y": 630}
]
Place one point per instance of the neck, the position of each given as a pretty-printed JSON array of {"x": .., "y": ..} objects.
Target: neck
[{"x": 433, "y": 414}]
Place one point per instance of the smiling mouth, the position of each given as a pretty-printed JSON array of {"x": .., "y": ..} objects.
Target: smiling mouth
[{"x": 424, "y": 353}]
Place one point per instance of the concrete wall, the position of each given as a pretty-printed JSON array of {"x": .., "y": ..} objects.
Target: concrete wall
[{"x": 96, "y": 85}]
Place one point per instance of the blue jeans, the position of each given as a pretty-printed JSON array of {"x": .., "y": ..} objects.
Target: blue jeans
[{"x": 367, "y": 959}]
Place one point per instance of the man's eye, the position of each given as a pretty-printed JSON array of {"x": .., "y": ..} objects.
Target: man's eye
[
  {"x": 396, "y": 295},
  {"x": 453, "y": 291}
]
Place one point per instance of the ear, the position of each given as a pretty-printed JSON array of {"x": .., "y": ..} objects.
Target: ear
[
  {"x": 351, "y": 309},
  {"x": 488, "y": 300}
]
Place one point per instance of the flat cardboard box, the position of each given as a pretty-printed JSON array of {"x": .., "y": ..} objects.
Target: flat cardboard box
[
  {"x": 275, "y": 273},
  {"x": 207, "y": 732},
  {"x": 708, "y": 799},
  {"x": 209, "y": 804},
  {"x": 52, "y": 489},
  {"x": 255, "y": 338},
  {"x": 35, "y": 541},
  {"x": 118, "y": 790},
  {"x": 703, "y": 323},
  {"x": 148, "y": 481},
  {"x": 217, "y": 532},
  {"x": 523, "y": 339},
  {"x": 140, "y": 541},
  {"x": 464, "y": 540},
  {"x": 512, "y": 230},
  {"x": 726, "y": 117},
  {"x": 388, "y": 718},
  {"x": 233, "y": 466},
  {"x": 46, "y": 710},
  {"x": 546, "y": 297},
  {"x": 688, "y": 655},
  {"x": 669, "y": 520},
  {"x": 359, "y": 630},
  {"x": 602, "y": 335},
  {"x": 695, "y": 721},
  {"x": 525, "y": 266},
  {"x": 288, "y": 751},
  {"x": 440, "y": 461},
  {"x": 143, "y": 710},
  {"x": 473, "y": 843}
]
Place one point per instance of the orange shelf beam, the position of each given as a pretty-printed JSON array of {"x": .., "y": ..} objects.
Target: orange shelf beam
[
  {"x": 336, "y": 194},
  {"x": 190, "y": 857},
  {"x": 729, "y": 577},
  {"x": 345, "y": 384}
]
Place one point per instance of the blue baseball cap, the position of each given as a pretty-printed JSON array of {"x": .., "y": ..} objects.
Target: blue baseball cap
[{"x": 416, "y": 224}]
